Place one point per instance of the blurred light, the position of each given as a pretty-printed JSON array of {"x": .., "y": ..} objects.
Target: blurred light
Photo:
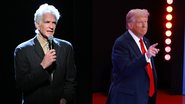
[
  {"x": 169, "y": 9},
  {"x": 167, "y": 49},
  {"x": 168, "y": 41},
  {"x": 169, "y": 1},
  {"x": 168, "y": 33},
  {"x": 167, "y": 57},
  {"x": 168, "y": 25},
  {"x": 169, "y": 17}
]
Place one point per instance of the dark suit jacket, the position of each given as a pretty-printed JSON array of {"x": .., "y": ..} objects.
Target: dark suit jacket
[
  {"x": 35, "y": 82},
  {"x": 130, "y": 82}
]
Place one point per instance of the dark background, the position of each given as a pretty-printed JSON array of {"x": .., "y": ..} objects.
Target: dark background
[{"x": 92, "y": 27}]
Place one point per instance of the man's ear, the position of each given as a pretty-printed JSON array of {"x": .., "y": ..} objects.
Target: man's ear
[
  {"x": 37, "y": 26},
  {"x": 130, "y": 25}
]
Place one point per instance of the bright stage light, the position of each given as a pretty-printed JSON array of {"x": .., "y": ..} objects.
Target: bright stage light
[
  {"x": 169, "y": 1},
  {"x": 168, "y": 41},
  {"x": 168, "y": 33},
  {"x": 169, "y": 9},
  {"x": 167, "y": 57},
  {"x": 169, "y": 17},
  {"x": 167, "y": 49},
  {"x": 168, "y": 25}
]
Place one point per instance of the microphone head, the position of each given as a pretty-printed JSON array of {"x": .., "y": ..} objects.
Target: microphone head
[{"x": 50, "y": 38}]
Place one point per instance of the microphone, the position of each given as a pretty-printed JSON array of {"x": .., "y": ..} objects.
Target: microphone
[
  {"x": 52, "y": 68},
  {"x": 50, "y": 40}
]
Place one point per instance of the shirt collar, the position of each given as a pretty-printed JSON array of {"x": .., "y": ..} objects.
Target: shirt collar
[
  {"x": 134, "y": 36},
  {"x": 42, "y": 40}
]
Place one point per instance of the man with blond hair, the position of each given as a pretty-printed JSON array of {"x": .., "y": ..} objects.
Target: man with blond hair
[{"x": 133, "y": 73}]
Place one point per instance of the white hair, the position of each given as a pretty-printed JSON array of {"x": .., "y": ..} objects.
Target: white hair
[{"x": 45, "y": 8}]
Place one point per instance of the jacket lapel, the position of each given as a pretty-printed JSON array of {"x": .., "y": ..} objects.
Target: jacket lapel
[
  {"x": 133, "y": 45},
  {"x": 37, "y": 47},
  {"x": 56, "y": 47},
  {"x": 146, "y": 43}
]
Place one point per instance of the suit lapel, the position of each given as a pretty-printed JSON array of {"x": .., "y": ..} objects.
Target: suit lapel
[
  {"x": 146, "y": 43},
  {"x": 56, "y": 47},
  {"x": 133, "y": 45},
  {"x": 38, "y": 48}
]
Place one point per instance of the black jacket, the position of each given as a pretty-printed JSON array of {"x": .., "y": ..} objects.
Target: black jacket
[{"x": 35, "y": 83}]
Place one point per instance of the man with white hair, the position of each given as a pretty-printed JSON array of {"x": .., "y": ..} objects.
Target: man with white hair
[{"x": 44, "y": 65}]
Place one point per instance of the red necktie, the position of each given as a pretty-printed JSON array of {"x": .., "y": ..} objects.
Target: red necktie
[{"x": 149, "y": 70}]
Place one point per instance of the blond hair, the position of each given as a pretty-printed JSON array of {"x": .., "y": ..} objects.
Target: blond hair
[{"x": 134, "y": 13}]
